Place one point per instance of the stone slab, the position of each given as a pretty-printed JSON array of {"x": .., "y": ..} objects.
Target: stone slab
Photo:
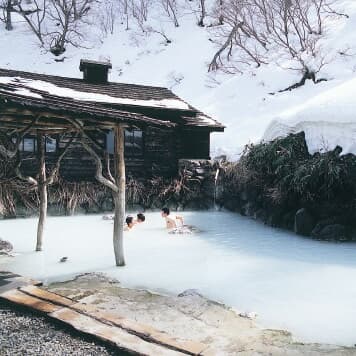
[
  {"x": 114, "y": 335},
  {"x": 144, "y": 331}
]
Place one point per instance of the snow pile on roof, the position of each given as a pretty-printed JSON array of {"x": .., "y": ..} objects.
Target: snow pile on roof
[
  {"x": 53, "y": 89},
  {"x": 18, "y": 91},
  {"x": 328, "y": 120}
]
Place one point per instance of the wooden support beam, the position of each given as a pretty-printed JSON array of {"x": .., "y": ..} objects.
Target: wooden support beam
[
  {"x": 42, "y": 187},
  {"x": 119, "y": 196}
]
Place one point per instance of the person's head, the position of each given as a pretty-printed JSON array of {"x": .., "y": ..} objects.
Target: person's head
[
  {"x": 141, "y": 218},
  {"x": 165, "y": 212},
  {"x": 129, "y": 221}
]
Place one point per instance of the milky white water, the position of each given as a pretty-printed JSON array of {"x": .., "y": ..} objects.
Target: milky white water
[{"x": 305, "y": 286}]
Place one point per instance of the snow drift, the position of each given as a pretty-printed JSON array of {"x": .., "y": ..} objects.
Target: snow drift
[{"x": 328, "y": 120}]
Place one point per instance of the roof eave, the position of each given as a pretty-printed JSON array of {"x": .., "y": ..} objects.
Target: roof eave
[{"x": 38, "y": 105}]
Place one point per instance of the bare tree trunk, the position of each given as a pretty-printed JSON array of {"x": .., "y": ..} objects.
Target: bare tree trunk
[
  {"x": 221, "y": 12},
  {"x": 119, "y": 196},
  {"x": 42, "y": 187},
  {"x": 8, "y": 25},
  {"x": 202, "y": 14}
]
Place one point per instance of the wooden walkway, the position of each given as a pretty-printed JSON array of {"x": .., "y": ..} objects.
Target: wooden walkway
[{"x": 122, "y": 333}]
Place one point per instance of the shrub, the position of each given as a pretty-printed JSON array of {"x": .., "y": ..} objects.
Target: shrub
[{"x": 282, "y": 175}]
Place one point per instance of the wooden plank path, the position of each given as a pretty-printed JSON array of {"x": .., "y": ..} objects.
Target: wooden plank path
[{"x": 119, "y": 332}]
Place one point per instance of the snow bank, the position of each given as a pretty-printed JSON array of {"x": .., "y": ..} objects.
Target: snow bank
[{"x": 328, "y": 120}]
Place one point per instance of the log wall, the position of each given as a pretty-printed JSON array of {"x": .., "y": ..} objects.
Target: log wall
[{"x": 162, "y": 150}]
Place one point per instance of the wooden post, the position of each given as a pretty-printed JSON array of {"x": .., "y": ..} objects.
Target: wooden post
[
  {"x": 42, "y": 187},
  {"x": 119, "y": 196}
]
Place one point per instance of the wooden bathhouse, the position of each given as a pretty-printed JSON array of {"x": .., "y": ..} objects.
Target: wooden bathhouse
[{"x": 159, "y": 127}]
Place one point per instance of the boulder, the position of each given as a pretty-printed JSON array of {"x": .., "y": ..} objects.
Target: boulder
[
  {"x": 190, "y": 293},
  {"x": 274, "y": 218},
  {"x": 260, "y": 214},
  {"x": 248, "y": 209},
  {"x": 288, "y": 220},
  {"x": 304, "y": 222},
  {"x": 334, "y": 232},
  {"x": 5, "y": 247}
]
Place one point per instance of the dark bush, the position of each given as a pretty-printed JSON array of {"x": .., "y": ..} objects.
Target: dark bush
[{"x": 282, "y": 176}]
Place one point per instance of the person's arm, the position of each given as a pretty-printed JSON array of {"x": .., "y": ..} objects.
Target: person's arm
[{"x": 180, "y": 218}]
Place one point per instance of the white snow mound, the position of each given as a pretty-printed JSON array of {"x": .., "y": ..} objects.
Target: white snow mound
[{"x": 328, "y": 120}]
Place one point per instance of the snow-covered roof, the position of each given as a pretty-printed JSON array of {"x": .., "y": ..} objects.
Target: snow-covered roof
[
  {"x": 53, "y": 89},
  {"x": 127, "y": 97},
  {"x": 328, "y": 120}
]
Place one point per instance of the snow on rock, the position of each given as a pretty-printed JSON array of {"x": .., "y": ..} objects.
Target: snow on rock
[{"x": 328, "y": 120}]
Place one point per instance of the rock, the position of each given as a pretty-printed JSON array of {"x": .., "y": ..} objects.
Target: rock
[
  {"x": 274, "y": 219},
  {"x": 260, "y": 214},
  {"x": 190, "y": 293},
  {"x": 108, "y": 217},
  {"x": 304, "y": 222},
  {"x": 321, "y": 224},
  {"x": 248, "y": 209},
  {"x": 248, "y": 315},
  {"x": 288, "y": 220},
  {"x": 5, "y": 246},
  {"x": 336, "y": 232}
]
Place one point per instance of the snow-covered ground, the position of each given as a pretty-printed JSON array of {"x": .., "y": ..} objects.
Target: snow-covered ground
[
  {"x": 241, "y": 101},
  {"x": 298, "y": 284}
]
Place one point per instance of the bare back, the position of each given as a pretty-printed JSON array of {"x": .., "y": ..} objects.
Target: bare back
[{"x": 170, "y": 223}]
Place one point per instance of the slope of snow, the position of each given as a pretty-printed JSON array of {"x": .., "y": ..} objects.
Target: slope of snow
[{"x": 242, "y": 102}]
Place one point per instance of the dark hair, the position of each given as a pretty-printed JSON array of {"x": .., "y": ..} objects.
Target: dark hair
[
  {"x": 129, "y": 220},
  {"x": 165, "y": 211},
  {"x": 141, "y": 217}
]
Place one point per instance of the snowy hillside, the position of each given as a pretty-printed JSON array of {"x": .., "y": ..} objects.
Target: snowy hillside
[{"x": 243, "y": 102}]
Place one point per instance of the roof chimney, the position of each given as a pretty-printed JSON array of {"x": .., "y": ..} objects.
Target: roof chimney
[{"x": 95, "y": 72}]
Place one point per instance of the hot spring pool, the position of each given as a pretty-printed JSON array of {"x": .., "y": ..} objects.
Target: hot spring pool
[{"x": 298, "y": 284}]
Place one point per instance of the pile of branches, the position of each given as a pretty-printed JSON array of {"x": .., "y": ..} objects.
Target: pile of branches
[
  {"x": 157, "y": 192},
  {"x": 68, "y": 197},
  {"x": 15, "y": 193}
]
